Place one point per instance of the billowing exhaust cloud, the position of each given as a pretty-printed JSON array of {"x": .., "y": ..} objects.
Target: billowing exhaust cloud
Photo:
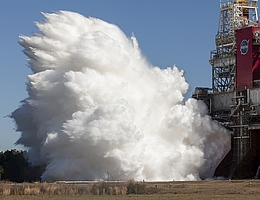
[{"x": 96, "y": 106}]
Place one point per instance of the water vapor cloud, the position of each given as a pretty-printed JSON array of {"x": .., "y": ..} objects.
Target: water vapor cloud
[{"x": 95, "y": 105}]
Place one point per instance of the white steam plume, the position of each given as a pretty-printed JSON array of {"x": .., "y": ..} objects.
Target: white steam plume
[{"x": 95, "y": 106}]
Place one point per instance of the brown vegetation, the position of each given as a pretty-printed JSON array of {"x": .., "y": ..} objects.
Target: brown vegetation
[
  {"x": 94, "y": 188},
  {"x": 249, "y": 189}
]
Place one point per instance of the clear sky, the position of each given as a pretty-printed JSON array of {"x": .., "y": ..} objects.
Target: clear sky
[{"x": 168, "y": 31}]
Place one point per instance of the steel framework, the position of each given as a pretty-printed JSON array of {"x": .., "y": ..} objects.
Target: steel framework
[
  {"x": 235, "y": 106},
  {"x": 233, "y": 15}
]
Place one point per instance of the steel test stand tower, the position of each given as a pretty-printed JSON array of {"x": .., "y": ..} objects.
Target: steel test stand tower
[{"x": 234, "y": 99}]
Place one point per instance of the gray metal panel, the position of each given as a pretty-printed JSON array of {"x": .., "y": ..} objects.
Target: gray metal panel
[
  {"x": 254, "y": 95},
  {"x": 222, "y": 100}
]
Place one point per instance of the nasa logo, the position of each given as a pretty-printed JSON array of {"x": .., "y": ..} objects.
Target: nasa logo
[{"x": 244, "y": 47}]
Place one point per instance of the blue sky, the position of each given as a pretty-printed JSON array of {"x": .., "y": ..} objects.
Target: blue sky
[{"x": 168, "y": 31}]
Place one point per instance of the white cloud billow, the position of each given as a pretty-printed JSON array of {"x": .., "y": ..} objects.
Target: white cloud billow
[{"x": 96, "y": 105}]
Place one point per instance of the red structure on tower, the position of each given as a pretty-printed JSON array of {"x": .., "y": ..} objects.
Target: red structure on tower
[{"x": 248, "y": 58}]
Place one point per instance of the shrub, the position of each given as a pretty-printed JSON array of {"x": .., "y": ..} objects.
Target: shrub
[{"x": 136, "y": 187}]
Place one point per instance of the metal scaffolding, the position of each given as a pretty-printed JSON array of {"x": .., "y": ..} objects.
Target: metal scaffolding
[{"x": 233, "y": 15}]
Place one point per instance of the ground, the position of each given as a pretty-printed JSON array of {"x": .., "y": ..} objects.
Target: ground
[{"x": 228, "y": 189}]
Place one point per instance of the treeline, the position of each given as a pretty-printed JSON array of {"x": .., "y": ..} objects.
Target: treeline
[{"x": 14, "y": 167}]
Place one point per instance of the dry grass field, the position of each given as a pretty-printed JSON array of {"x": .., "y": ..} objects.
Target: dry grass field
[{"x": 229, "y": 189}]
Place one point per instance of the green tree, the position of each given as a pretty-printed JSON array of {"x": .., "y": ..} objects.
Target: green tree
[
  {"x": 1, "y": 171},
  {"x": 17, "y": 169}
]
